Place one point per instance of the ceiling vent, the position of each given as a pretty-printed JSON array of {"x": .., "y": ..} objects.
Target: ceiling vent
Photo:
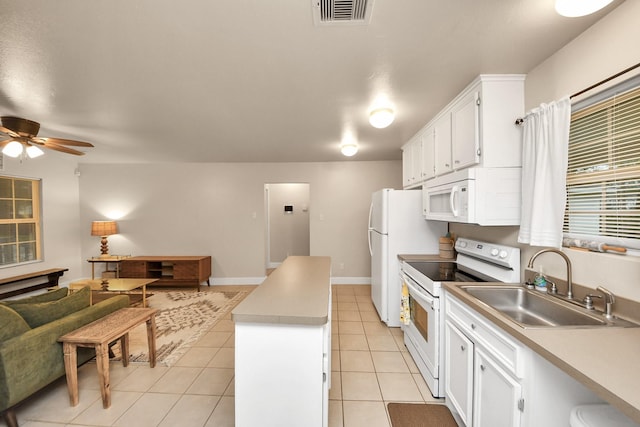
[{"x": 340, "y": 12}]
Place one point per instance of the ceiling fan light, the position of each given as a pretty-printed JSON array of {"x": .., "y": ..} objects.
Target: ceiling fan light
[
  {"x": 381, "y": 117},
  {"x": 349, "y": 149},
  {"x": 13, "y": 149},
  {"x": 575, "y": 8},
  {"x": 33, "y": 152}
]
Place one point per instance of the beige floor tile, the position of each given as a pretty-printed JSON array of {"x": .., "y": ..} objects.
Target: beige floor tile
[
  {"x": 424, "y": 389},
  {"x": 396, "y": 332},
  {"x": 375, "y": 328},
  {"x": 96, "y": 415},
  {"x": 224, "y": 325},
  {"x": 335, "y": 360},
  {"x": 366, "y": 306},
  {"x": 190, "y": 411},
  {"x": 399, "y": 387},
  {"x": 335, "y": 341},
  {"x": 364, "y": 290},
  {"x": 224, "y": 414},
  {"x": 369, "y": 316},
  {"x": 400, "y": 342},
  {"x": 52, "y": 404},
  {"x": 350, "y": 316},
  {"x": 231, "y": 388},
  {"x": 342, "y": 290},
  {"x": 197, "y": 357},
  {"x": 225, "y": 358},
  {"x": 353, "y": 342},
  {"x": 356, "y": 361},
  {"x": 335, "y": 326},
  {"x": 335, "y": 392},
  {"x": 213, "y": 339},
  {"x": 177, "y": 380},
  {"x": 389, "y": 361},
  {"x": 411, "y": 364},
  {"x": 347, "y": 306},
  {"x": 365, "y": 414},
  {"x": 350, "y": 328},
  {"x": 360, "y": 386},
  {"x": 142, "y": 379},
  {"x": 211, "y": 381},
  {"x": 231, "y": 342},
  {"x": 382, "y": 343},
  {"x": 363, "y": 298},
  {"x": 346, "y": 298},
  {"x": 335, "y": 413},
  {"x": 148, "y": 411},
  {"x": 88, "y": 375}
]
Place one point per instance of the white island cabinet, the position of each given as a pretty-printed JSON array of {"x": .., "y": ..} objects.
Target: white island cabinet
[{"x": 283, "y": 347}]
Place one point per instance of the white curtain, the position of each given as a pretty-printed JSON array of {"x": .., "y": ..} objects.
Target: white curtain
[{"x": 545, "y": 145}]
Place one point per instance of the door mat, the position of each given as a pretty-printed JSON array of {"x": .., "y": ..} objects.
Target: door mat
[{"x": 420, "y": 415}]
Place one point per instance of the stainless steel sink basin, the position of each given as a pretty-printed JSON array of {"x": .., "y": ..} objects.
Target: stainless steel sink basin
[{"x": 531, "y": 308}]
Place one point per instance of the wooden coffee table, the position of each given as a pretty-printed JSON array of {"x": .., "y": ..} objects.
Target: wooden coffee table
[
  {"x": 98, "y": 335},
  {"x": 115, "y": 285}
]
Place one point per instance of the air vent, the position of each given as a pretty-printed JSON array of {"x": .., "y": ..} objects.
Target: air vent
[{"x": 337, "y": 12}]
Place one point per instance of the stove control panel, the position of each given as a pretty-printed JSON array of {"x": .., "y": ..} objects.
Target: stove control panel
[{"x": 505, "y": 256}]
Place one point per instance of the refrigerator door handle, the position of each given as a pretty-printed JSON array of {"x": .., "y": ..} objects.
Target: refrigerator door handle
[{"x": 369, "y": 229}]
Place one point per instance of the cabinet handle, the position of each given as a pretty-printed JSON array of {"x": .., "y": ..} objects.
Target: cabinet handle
[
  {"x": 482, "y": 368},
  {"x": 462, "y": 347},
  {"x": 473, "y": 326}
]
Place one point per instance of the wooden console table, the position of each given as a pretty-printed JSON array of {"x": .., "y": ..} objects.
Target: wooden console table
[
  {"x": 11, "y": 286},
  {"x": 169, "y": 270},
  {"x": 112, "y": 259},
  {"x": 98, "y": 335}
]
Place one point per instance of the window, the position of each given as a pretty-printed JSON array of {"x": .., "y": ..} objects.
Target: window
[
  {"x": 19, "y": 221},
  {"x": 603, "y": 175}
]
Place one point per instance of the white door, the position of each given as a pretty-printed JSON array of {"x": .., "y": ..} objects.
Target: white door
[
  {"x": 459, "y": 372},
  {"x": 379, "y": 273},
  {"x": 442, "y": 136},
  {"x": 465, "y": 134}
]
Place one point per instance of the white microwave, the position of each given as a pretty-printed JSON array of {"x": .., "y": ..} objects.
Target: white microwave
[{"x": 485, "y": 196}]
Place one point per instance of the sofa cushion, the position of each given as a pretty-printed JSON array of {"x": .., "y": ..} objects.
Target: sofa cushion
[
  {"x": 44, "y": 312},
  {"x": 45, "y": 297},
  {"x": 12, "y": 324}
]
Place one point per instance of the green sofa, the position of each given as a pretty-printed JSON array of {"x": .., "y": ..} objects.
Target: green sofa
[{"x": 30, "y": 355}]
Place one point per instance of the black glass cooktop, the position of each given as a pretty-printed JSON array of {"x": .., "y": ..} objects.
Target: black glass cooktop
[{"x": 439, "y": 271}]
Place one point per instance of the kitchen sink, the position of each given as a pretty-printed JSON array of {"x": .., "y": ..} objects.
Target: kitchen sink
[{"x": 530, "y": 308}]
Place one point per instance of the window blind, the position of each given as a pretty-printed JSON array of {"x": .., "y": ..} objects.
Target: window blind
[{"x": 603, "y": 175}]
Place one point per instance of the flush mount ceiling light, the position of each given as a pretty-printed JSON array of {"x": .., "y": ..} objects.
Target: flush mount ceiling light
[
  {"x": 575, "y": 8},
  {"x": 349, "y": 148},
  {"x": 381, "y": 117}
]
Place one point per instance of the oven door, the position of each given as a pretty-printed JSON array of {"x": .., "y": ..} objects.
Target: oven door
[{"x": 424, "y": 332}]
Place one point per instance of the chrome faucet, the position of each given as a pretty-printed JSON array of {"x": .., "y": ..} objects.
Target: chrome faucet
[
  {"x": 609, "y": 299},
  {"x": 567, "y": 260}
]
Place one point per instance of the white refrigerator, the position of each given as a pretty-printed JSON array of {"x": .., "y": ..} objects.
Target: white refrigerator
[{"x": 396, "y": 226}]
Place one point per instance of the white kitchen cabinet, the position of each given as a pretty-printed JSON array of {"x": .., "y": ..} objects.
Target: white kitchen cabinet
[
  {"x": 412, "y": 163},
  {"x": 442, "y": 143},
  {"x": 484, "y": 370},
  {"x": 465, "y": 130},
  {"x": 428, "y": 154},
  {"x": 497, "y": 394},
  {"x": 459, "y": 371}
]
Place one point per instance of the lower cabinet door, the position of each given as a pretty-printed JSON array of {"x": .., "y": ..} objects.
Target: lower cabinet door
[
  {"x": 497, "y": 395},
  {"x": 459, "y": 372}
]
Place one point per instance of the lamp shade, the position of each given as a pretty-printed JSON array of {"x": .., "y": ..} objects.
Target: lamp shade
[
  {"x": 13, "y": 149},
  {"x": 349, "y": 149},
  {"x": 104, "y": 228},
  {"x": 381, "y": 117}
]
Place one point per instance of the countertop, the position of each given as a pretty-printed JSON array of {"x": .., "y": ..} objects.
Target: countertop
[
  {"x": 603, "y": 359},
  {"x": 297, "y": 292}
]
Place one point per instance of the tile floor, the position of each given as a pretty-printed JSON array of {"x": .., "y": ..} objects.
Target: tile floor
[{"x": 370, "y": 365}]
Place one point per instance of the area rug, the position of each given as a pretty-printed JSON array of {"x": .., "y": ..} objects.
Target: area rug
[
  {"x": 183, "y": 317},
  {"x": 420, "y": 415}
]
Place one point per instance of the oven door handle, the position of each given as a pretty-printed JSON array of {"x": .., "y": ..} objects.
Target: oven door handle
[{"x": 418, "y": 293}]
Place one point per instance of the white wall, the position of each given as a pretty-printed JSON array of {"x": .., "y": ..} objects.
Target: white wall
[
  {"x": 61, "y": 228},
  {"x": 609, "y": 46},
  {"x": 289, "y": 232},
  {"x": 208, "y": 209}
]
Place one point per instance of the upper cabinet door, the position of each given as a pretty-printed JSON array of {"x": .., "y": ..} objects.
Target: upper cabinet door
[
  {"x": 442, "y": 135},
  {"x": 465, "y": 135},
  {"x": 428, "y": 154}
]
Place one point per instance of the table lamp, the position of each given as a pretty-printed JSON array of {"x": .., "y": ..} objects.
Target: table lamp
[{"x": 104, "y": 229}]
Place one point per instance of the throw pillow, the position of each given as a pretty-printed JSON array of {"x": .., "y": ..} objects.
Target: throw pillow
[
  {"x": 12, "y": 324},
  {"x": 44, "y": 312},
  {"x": 45, "y": 297}
]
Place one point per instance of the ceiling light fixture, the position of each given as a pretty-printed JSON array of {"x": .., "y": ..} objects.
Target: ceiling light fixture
[
  {"x": 349, "y": 148},
  {"x": 575, "y": 8},
  {"x": 12, "y": 149},
  {"x": 33, "y": 152},
  {"x": 381, "y": 117}
]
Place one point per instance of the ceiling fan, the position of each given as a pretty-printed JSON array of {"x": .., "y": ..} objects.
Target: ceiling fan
[{"x": 23, "y": 138}]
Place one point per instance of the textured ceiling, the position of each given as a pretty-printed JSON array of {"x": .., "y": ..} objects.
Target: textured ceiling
[{"x": 255, "y": 80}]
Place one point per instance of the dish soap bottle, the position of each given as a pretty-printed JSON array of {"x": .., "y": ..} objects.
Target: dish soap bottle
[{"x": 540, "y": 281}]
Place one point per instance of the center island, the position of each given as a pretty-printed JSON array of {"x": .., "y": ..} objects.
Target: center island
[{"x": 283, "y": 347}]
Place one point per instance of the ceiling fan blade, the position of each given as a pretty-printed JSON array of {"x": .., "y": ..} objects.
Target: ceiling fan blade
[
  {"x": 8, "y": 132},
  {"x": 61, "y": 141},
  {"x": 54, "y": 146}
]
